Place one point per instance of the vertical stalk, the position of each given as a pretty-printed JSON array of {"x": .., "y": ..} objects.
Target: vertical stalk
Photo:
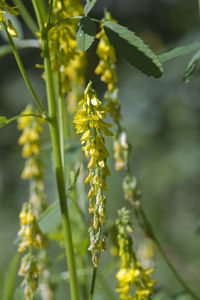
[
  {"x": 60, "y": 178},
  {"x": 62, "y": 122},
  {"x": 94, "y": 275}
]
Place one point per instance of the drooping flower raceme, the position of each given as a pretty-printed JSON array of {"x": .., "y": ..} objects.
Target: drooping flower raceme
[
  {"x": 89, "y": 122},
  {"x": 134, "y": 282},
  {"x": 32, "y": 267},
  {"x": 107, "y": 69}
]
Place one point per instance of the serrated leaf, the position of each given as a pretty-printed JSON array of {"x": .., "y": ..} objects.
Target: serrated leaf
[
  {"x": 88, "y": 6},
  {"x": 85, "y": 33},
  {"x": 191, "y": 66},
  {"x": 179, "y": 51},
  {"x": 133, "y": 49},
  {"x": 3, "y": 121},
  {"x": 6, "y": 49}
]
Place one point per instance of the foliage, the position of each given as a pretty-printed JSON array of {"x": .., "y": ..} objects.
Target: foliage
[{"x": 65, "y": 33}]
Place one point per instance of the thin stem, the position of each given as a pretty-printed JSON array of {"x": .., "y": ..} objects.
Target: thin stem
[
  {"x": 94, "y": 275},
  {"x": 7, "y": 121},
  {"x": 26, "y": 16},
  {"x": 60, "y": 177},
  {"x": 150, "y": 232},
  {"x": 23, "y": 72}
]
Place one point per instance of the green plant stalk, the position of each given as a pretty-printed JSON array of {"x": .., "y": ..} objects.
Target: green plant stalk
[
  {"x": 62, "y": 122},
  {"x": 149, "y": 231},
  {"x": 60, "y": 178},
  {"x": 94, "y": 275},
  {"x": 23, "y": 72},
  {"x": 26, "y": 16}
]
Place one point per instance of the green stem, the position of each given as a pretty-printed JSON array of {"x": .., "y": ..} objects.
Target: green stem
[
  {"x": 94, "y": 275},
  {"x": 62, "y": 122},
  {"x": 4, "y": 123},
  {"x": 60, "y": 177},
  {"x": 26, "y": 16},
  {"x": 149, "y": 231},
  {"x": 23, "y": 72}
]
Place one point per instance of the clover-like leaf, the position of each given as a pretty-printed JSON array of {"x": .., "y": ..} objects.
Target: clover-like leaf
[
  {"x": 85, "y": 33},
  {"x": 133, "y": 49}
]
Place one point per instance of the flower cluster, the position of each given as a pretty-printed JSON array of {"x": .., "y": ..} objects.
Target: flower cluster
[
  {"x": 5, "y": 7},
  {"x": 29, "y": 231},
  {"x": 89, "y": 122},
  {"x": 121, "y": 151},
  {"x": 30, "y": 235},
  {"x": 107, "y": 69},
  {"x": 29, "y": 140},
  {"x": 106, "y": 53},
  {"x": 30, "y": 272},
  {"x": 131, "y": 192},
  {"x": 134, "y": 282},
  {"x": 66, "y": 58}
]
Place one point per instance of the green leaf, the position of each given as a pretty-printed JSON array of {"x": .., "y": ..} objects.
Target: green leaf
[
  {"x": 191, "y": 66},
  {"x": 6, "y": 49},
  {"x": 180, "y": 51},
  {"x": 88, "y": 6},
  {"x": 85, "y": 33},
  {"x": 10, "y": 278},
  {"x": 3, "y": 121},
  {"x": 19, "y": 294},
  {"x": 133, "y": 49},
  {"x": 50, "y": 219}
]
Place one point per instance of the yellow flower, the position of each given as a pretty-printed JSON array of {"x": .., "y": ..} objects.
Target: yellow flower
[{"x": 89, "y": 121}]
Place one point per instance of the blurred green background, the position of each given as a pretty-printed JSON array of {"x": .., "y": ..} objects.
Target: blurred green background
[{"x": 163, "y": 124}]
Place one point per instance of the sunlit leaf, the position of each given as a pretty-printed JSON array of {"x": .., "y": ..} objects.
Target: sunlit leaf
[
  {"x": 85, "y": 33},
  {"x": 133, "y": 49},
  {"x": 6, "y": 49},
  {"x": 88, "y": 6}
]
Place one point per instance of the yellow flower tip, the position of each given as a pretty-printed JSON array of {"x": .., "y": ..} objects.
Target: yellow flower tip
[
  {"x": 11, "y": 30},
  {"x": 95, "y": 102},
  {"x": 89, "y": 177},
  {"x": 91, "y": 163}
]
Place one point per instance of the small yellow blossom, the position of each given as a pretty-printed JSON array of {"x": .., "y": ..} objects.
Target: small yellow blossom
[
  {"x": 134, "y": 282},
  {"x": 89, "y": 121}
]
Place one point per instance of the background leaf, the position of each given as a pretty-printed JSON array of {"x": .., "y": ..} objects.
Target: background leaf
[
  {"x": 10, "y": 278},
  {"x": 191, "y": 66},
  {"x": 6, "y": 49},
  {"x": 3, "y": 121},
  {"x": 85, "y": 33},
  {"x": 133, "y": 49},
  {"x": 19, "y": 294},
  {"x": 179, "y": 51},
  {"x": 88, "y": 6}
]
